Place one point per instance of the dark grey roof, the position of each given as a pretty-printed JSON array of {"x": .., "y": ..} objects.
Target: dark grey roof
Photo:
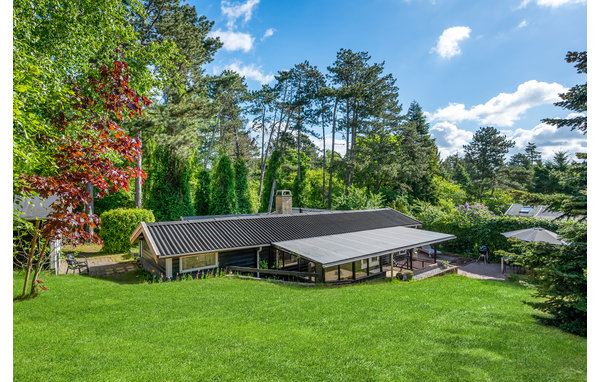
[
  {"x": 223, "y": 233},
  {"x": 540, "y": 212},
  {"x": 295, "y": 210},
  {"x": 346, "y": 247}
]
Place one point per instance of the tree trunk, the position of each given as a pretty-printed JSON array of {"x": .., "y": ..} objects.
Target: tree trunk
[
  {"x": 212, "y": 139},
  {"x": 263, "y": 165},
  {"x": 352, "y": 149},
  {"x": 348, "y": 149},
  {"x": 324, "y": 161},
  {"x": 332, "y": 152},
  {"x": 271, "y": 196},
  {"x": 30, "y": 258},
  {"x": 89, "y": 208},
  {"x": 138, "y": 180},
  {"x": 38, "y": 267}
]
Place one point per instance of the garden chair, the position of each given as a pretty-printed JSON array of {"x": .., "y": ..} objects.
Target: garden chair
[{"x": 73, "y": 263}]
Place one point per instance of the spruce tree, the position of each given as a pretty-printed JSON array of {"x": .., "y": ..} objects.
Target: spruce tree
[
  {"x": 241, "y": 186},
  {"x": 202, "y": 196},
  {"x": 223, "y": 200}
]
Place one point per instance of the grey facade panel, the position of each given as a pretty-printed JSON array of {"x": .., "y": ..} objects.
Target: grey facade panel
[{"x": 222, "y": 233}]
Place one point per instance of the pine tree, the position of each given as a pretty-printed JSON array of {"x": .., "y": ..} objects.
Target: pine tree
[
  {"x": 534, "y": 156},
  {"x": 223, "y": 200},
  {"x": 242, "y": 192},
  {"x": 202, "y": 196}
]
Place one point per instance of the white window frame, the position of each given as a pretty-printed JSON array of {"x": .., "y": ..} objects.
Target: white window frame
[{"x": 181, "y": 270}]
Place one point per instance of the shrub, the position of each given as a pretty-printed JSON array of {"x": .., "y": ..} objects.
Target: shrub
[
  {"x": 560, "y": 274},
  {"x": 118, "y": 225}
]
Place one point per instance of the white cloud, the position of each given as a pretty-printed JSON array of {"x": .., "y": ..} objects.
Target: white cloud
[
  {"x": 234, "y": 40},
  {"x": 551, "y": 3},
  {"x": 251, "y": 72},
  {"x": 505, "y": 108},
  {"x": 522, "y": 24},
  {"x": 268, "y": 33},
  {"x": 449, "y": 138},
  {"x": 447, "y": 45},
  {"x": 235, "y": 11},
  {"x": 340, "y": 144},
  {"x": 550, "y": 139}
]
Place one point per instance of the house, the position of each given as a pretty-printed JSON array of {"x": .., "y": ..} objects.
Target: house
[
  {"x": 539, "y": 212},
  {"x": 321, "y": 246},
  {"x": 35, "y": 208}
]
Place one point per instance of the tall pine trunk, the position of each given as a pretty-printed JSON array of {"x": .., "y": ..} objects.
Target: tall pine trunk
[
  {"x": 332, "y": 152},
  {"x": 324, "y": 161}
]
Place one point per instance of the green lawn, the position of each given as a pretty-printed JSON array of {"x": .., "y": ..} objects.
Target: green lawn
[{"x": 444, "y": 328}]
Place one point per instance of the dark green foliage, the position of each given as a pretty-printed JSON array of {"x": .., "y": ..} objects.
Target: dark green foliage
[
  {"x": 474, "y": 230},
  {"x": 114, "y": 200},
  {"x": 169, "y": 196},
  {"x": 273, "y": 171},
  {"x": 241, "y": 186},
  {"x": 202, "y": 195},
  {"x": 575, "y": 99},
  {"x": 118, "y": 225},
  {"x": 560, "y": 274},
  {"x": 485, "y": 154},
  {"x": 223, "y": 199}
]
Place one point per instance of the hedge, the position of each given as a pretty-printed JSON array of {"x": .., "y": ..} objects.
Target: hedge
[
  {"x": 474, "y": 231},
  {"x": 118, "y": 225}
]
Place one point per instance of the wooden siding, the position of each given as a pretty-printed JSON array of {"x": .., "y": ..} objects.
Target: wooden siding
[
  {"x": 241, "y": 258},
  {"x": 149, "y": 257}
]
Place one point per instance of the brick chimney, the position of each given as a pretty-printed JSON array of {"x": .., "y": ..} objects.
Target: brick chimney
[{"x": 283, "y": 202}]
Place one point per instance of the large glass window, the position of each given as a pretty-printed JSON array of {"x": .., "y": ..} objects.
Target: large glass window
[{"x": 202, "y": 261}]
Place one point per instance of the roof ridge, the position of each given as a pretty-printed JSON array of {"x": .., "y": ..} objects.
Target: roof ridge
[{"x": 272, "y": 215}]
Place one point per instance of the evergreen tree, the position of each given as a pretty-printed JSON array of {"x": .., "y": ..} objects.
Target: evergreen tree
[
  {"x": 575, "y": 99},
  {"x": 561, "y": 161},
  {"x": 532, "y": 154},
  {"x": 242, "y": 192},
  {"x": 273, "y": 173},
  {"x": 202, "y": 195},
  {"x": 223, "y": 199},
  {"x": 169, "y": 197},
  {"x": 486, "y": 154}
]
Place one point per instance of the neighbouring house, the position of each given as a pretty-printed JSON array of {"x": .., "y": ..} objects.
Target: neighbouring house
[
  {"x": 538, "y": 212},
  {"x": 35, "y": 208},
  {"x": 320, "y": 246}
]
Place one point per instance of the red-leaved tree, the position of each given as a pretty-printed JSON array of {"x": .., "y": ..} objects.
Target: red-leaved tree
[{"x": 92, "y": 149}]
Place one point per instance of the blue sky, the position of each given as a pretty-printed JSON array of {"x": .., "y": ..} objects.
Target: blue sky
[{"x": 468, "y": 63}]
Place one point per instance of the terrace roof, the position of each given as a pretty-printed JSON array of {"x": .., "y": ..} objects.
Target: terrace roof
[{"x": 346, "y": 247}]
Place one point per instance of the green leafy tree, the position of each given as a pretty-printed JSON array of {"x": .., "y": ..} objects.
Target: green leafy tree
[
  {"x": 358, "y": 199},
  {"x": 223, "y": 197},
  {"x": 202, "y": 194},
  {"x": 241, "y": 186},
  {"x": 486, "y": 154}
]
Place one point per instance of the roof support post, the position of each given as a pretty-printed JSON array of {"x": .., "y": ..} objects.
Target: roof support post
[
  {"x": 354, "y": 270},
  {"x": 368, "y": 265},
  {"x": 381, "y": 264},
  {"x": 339, "y": 273},
  {"x": 410, "y": 257},
  {"x": 392, "y": 264},
  {"x": 435, "y": 247},
  {"x": 320, "y": 277}
]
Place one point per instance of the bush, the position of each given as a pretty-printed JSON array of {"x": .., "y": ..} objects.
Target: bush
[
  {"x": 474, "y": 226},
  {"x": 118, "y": 225}
]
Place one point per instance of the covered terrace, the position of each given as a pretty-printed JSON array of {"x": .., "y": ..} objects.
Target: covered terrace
[{"x": 354, "y": 256}]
